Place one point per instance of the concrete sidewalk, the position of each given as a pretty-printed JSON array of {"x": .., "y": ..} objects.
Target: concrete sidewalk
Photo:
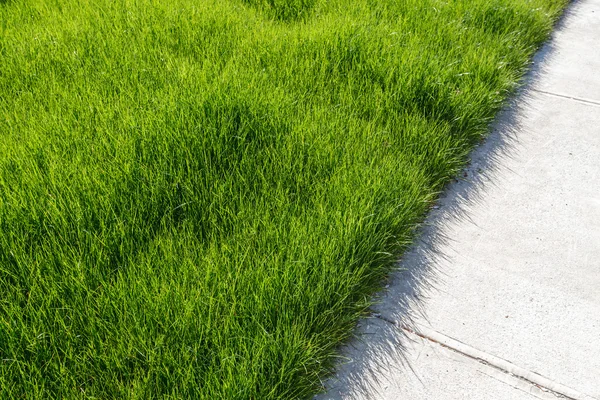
[{"x": 500, "y": 299}]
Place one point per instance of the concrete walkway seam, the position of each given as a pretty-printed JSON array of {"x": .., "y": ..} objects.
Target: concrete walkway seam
[
  {"x": 564, "y": 96},
  {"x": 496, "y": 362}
]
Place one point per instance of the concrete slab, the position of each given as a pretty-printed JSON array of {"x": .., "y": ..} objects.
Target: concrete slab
[
  {"x": 522, "y": 274},
  {"x": 571, "y": 55},
  {"x": 509, "y": 264}
]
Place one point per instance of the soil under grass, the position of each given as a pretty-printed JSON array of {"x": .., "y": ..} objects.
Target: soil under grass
[{"x": 197, "y": 197}]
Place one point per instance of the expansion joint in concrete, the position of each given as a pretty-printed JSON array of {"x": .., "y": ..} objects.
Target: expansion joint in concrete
[
  {"x": 498, "y": 363},
  {"x": 564, "y": 96}
]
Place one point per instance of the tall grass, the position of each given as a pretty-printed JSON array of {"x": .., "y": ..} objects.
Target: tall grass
[{"x": 197, "y": 197}]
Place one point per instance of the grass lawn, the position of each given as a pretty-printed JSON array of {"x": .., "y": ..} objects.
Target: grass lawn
[{"x": 197, "y": 197}]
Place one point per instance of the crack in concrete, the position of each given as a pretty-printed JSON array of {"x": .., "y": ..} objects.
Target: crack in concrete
[
  {"x": 564, "y": 96},
  {"x": 504, "y": 366}
]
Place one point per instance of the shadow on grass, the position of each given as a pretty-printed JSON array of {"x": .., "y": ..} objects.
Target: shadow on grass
[{"x": 380, "y": 342}]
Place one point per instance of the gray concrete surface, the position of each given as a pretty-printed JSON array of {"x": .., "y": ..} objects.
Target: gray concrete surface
[{"x": 509, "y": 264}]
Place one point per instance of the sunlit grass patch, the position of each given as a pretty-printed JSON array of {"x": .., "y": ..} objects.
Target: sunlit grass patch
[{"x": 197, "y": 198}]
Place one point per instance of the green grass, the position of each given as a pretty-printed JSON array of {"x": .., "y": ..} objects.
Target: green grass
[{"x": 197, "y": 197}]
